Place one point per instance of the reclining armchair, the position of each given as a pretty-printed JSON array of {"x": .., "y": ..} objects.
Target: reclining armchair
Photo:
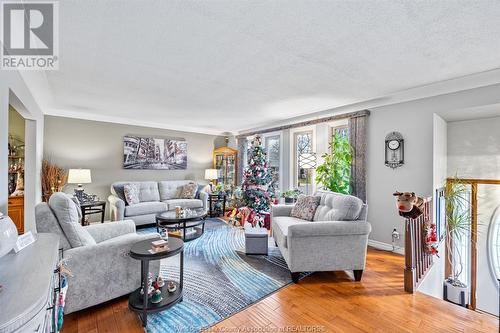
[{"x": 97, "y": 255}]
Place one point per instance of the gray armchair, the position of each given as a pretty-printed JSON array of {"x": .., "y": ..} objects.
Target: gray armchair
[{"x": 97, "y": 255}]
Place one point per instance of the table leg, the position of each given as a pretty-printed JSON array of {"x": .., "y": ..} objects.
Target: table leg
[
  {"x": 145, "y": 264},
  {"x": 157, "y": 226},
  {"x": 210, "y": 207},
  {"x": 102, "y": 214},
  {"x": 83, "y": 217},
  {"x": 184, "y": 231},
  {"x": 181, "y": 275}
]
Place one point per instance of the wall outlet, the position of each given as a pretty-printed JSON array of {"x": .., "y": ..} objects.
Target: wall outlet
[{"x": 395, "y": 235}]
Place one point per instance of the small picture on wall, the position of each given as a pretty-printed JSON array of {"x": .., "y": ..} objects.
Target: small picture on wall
[
  {"x": 440, "y": 213},
  {"x": 154, "y": 153}
]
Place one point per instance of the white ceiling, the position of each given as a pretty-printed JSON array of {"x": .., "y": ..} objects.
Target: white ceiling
[{"x": 215, "y": 66}]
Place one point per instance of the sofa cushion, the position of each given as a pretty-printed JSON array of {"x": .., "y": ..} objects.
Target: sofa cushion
[
  {"x": 305, "y": 207},
  {"x": 46, "y": 221},
  {"x": 148, "y": 191},
  {"x": 171, "y": 189},
  {"x": 66, "y": 211},
  {"x": 143, "y": 208},
  {"x": 188, "y": 191},
  {"x": 184, "y": 203},
  {"x": 337, "y": 207},
  {"x": 131, "y": 192},
  {"x": 280, "y": 228}
]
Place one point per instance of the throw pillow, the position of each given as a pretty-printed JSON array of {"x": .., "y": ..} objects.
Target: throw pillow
[
  {"x": 131, "y": 192},
  {"x": 189, "y": 191},
  {"x": 305, "y": 207},
  {"x": 65, "y": 210}
]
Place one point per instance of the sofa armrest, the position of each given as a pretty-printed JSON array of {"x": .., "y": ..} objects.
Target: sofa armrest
[
  {"x": 104, "y": 231},
  {"x": 117, "y": 208},
  {"x": 204, "y": 197},
  {"x": 281, "y": 210},
  {"x": 329, "y": 228}
]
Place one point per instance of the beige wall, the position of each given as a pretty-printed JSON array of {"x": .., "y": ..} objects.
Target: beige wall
[
  {"x": 16, "y": 124},
  {"x": 75, "y": 143}
]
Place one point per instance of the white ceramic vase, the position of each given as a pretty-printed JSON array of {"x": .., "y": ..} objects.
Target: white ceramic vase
[{"x": 8, "y": 235}]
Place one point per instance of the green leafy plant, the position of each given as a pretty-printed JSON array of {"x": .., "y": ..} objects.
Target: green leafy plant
[
  {"x": 292, "y": 193},
  {"x": 334, "y": 174},
  {"x": 458, "y": 225}
]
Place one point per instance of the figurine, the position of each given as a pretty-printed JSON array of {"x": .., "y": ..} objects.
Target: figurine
[
  {"x": 156, "y": 296},
  {"x": 19, "y": 191},
  {"x": 160, "y": 281},
  {"x": 171, "y": 287}
]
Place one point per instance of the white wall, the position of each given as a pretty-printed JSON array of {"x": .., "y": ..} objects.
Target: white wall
[
  {"x": 432, "y": 283},
  {"x": 14, "y": 90},
  {"x": 415, "y": 121},
  {"x": 474, "y": 148}
]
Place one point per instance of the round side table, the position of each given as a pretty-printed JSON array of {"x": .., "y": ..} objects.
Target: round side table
[{"x": 141, "y": 303}]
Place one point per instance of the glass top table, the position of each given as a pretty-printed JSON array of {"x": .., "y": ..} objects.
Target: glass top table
[{"x": 188, "y": 226}]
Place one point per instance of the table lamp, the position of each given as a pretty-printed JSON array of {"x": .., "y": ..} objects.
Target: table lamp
[
  {"x": 80, "y": 177},
  {"x": 211, "y": 174}
]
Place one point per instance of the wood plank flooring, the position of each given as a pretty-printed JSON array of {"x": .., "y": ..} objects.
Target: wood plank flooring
[{"x": 322, "y": 302}]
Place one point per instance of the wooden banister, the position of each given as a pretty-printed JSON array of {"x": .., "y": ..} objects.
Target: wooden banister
[{"x": 417, "y": 259}]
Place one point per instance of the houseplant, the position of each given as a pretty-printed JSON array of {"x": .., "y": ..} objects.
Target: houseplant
[
  {"x": 335, "y": 172},
  {"x": 291, "y": 195},
  {"x": 458, "y": 228}
]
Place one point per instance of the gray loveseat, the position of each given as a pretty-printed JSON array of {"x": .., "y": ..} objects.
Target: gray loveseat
[
  {"x": 336, "y": 239},
  {"x": 155, "y": 197},
  {"x": 97, "y": 255}
]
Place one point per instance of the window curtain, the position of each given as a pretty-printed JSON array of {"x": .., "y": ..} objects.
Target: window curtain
[
  {"x": 242, "y": 151},
  {"x": 357, "y": 138}
]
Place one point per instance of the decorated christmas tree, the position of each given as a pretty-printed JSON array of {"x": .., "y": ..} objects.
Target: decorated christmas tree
[{"x": 256, "y": 179}]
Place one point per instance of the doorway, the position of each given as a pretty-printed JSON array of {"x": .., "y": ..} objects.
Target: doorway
[{"x": 16, "y": 164}]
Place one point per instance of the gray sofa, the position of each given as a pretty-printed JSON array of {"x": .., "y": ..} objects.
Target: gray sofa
[
  {"x": 97, "y": 255},
  {"x": 336, "y": 239},
  {"x": 155, "y": 197}
]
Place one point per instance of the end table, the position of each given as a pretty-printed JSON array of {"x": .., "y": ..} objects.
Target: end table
[
  {"x": 213, "y": 200},
  {"x": 89, "y": 208}
]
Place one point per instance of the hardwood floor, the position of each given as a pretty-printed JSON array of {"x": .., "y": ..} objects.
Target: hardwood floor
[{"x": 322, "y": 302}]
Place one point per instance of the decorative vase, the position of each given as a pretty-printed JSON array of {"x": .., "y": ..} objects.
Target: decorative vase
[
  {"x": 8, "y": 235},
  {"x": 456, "y": 293}
]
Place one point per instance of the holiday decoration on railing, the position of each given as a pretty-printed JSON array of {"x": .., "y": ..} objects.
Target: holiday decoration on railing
[{"x": 256, "y": 179}]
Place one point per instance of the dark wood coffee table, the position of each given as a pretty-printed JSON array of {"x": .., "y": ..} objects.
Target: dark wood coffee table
[
  {"x": 141, "y": 303},
  {"x": 195, "y": 220}
]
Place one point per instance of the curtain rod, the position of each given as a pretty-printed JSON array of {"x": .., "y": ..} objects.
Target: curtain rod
[{"x": 362, "y": 113}]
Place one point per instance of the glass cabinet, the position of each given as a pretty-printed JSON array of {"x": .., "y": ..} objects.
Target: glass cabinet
[{"x": 225, "y": 160}]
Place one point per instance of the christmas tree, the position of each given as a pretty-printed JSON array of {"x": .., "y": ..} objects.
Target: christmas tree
[{"x": 256, "y": 179}]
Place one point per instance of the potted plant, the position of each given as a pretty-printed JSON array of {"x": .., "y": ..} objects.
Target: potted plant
[
  {"x": 335, "y": 172},
  {"x": 458, "y": 228},
  {"x": 291, "y": 195}
]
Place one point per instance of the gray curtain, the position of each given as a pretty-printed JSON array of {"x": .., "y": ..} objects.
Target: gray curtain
[
  {"x": 357, "y": 139},
  {"x": 242, "y": 150}
]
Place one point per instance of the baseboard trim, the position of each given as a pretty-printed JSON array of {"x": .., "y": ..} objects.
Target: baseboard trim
[{"x": 385, "y": 246}]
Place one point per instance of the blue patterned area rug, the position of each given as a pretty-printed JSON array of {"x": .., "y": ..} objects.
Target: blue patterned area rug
[{"x": 219, "y": 279}]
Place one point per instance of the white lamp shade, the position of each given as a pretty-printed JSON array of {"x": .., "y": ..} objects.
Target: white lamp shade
[
  {"x": 211, "y": 174},
  {"x": 79, "y": 176}
]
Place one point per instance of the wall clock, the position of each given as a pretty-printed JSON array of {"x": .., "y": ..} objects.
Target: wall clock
[{"x": 394, "y": 150}]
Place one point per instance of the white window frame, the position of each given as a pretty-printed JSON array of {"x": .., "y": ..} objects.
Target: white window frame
[
  {"x": 294, "y": 165},
  {"x": 280, "y": 134}
]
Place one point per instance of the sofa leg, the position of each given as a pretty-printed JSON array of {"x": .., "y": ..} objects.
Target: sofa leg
[
  {"x": 295, "y": 277},
  {"x": 357, "y": 274}
]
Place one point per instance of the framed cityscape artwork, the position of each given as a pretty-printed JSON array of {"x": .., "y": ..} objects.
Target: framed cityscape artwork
[{"x": 154, "y": 153}]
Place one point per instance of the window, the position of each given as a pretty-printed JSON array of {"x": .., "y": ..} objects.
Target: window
[
  {"x": 343, "y": 130},
  {"x": 494, "y": 243},
  {"x": 303, "y": 143},
  {"x": 273, "y": 151}
]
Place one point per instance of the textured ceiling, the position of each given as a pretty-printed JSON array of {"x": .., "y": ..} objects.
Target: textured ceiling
[{"x": 233, "y": 65}]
